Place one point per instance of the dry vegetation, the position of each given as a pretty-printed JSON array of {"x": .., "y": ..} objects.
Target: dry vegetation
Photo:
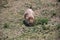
[{"x": 47, "y": 25}]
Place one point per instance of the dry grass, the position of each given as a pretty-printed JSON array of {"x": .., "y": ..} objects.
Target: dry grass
[{"x": 11, "y": 20}]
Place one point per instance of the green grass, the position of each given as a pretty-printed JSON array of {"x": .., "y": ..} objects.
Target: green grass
[
  {"x": 53, "y": 12},
  {"x": 41, "y": 21},
  {"x": 58, "y": 26},
  {"x": 6, "y": 25}
]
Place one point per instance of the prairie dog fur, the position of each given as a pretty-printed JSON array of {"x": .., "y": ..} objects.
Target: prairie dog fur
[{"x": 29, "y": 16}]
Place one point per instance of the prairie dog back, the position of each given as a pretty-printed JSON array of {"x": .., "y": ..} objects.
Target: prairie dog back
[{"x": 29, "y": 12}]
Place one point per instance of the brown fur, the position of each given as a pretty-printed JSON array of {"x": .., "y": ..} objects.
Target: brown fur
[{"x": 29, "y": 18}]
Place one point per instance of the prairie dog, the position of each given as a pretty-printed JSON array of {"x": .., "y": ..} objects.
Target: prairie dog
[{"x": 29, "y": 16}]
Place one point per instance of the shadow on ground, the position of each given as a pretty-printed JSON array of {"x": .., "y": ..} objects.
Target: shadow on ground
[{"x": 26, "y": 24}]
